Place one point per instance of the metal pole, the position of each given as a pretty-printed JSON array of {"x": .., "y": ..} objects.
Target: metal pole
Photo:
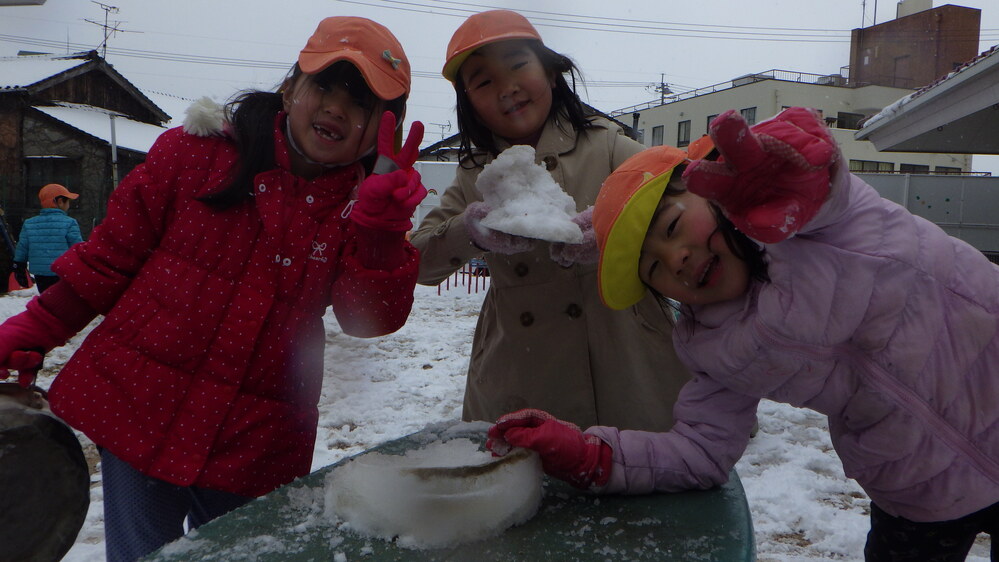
[{"x": 114, "y": 154}]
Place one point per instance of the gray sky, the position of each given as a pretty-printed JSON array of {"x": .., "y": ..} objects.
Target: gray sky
[{"x": 191, "y": 48}]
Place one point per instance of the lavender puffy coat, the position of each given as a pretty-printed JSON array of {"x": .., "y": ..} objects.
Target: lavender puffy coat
[{"x": 875, "y": 318}]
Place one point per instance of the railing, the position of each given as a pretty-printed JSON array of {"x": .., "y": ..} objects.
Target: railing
[
  {"x": 774, "y": 74},
  {"x": 472, "y": 275}
]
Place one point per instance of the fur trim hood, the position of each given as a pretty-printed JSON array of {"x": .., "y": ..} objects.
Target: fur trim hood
[{"x": 205, "y": 117}]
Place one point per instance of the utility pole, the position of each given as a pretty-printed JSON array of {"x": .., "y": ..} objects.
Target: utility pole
[{"x": 663, "y": 89}]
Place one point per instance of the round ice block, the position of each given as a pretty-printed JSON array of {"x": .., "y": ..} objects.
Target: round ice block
[{"x": 443, "y": 494}]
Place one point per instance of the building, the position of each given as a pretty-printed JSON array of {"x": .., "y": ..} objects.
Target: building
[
  {"x": 760, "y": 96},
  {"x": 919, "y": 46},
  {"x": 958, "y": 113},
  {"x": 888, "y": 61},
  {"x": 72, "y": 120}
]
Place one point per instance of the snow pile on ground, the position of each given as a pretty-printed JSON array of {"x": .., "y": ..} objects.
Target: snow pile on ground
[
  {"x": 525, "y": 200},
  {"x": 380, "y": 389}
]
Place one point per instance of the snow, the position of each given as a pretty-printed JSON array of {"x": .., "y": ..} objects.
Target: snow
[
  {"x": 525, "y": 200},
  {"x": 96, "y": 121},
  {"x": 443, "y": 494},
  {"x": 23, "y": 71},
  {"x": 379, "y": 389}
]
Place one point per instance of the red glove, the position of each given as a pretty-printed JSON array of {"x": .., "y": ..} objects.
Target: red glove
[
  {"x": 773, "y": 177},
  {"x": 566, "y": 452},
  {"x": 26, "y": 337},
  {"x": 387, "y": 201},
  {"x": 491, "y": 240},
  {"x": 586, "y": 251}
]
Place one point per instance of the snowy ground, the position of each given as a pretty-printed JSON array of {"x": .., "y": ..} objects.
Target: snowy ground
[{"x": 378, "y": 389}]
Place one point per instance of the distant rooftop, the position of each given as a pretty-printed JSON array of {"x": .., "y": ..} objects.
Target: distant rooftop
[{"x": 773, "y": 74}]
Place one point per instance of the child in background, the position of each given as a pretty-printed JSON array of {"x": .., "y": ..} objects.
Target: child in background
[
  {"x": 216, "y": 262},
  {"x": 46, "y": 237},
  {"x": 845, "y": 304},
  {"x": 543, "y": 339}
]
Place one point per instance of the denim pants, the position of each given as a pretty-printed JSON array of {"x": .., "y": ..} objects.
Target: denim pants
[
  {"x": 141, "y": 514},
  {"x": 896, "y": 539}
]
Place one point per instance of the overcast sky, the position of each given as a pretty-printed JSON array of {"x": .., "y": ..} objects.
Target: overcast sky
[{"x": 190, "y": 48}]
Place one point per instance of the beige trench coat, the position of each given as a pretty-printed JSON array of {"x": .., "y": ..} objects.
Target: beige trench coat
[{"x": 544, "y": 340}]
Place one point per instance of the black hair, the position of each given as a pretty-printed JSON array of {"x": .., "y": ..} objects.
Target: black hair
[
  {"x": 251, "y": 114},
  {"x": 566, "y": 108},
  {"x": 741, "y": 246}
]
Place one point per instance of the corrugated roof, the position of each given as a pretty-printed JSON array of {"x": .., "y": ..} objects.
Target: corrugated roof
[
  {"x": 96, "y": 121},
  {"x": 23, "y": 71}
]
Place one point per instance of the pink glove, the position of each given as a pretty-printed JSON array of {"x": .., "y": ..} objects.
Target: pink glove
[
  {"x": 773, "y": 177},
  {"x": 566, "y": 452},
  {"x": 26, "y": 337},
  {"x": 586, "y": 251},
  {"x": 492, "y": 240},
  {"x": 388, "y": 158},
  {"x": 387, "y": 201}
]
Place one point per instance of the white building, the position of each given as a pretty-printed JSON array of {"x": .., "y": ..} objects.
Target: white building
[{"x": 682, "y": 118}]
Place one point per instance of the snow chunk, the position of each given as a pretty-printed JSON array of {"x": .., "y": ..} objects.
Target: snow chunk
[
  {"x": 525, "y": 200},
  {"x": 443, "y": 494}
]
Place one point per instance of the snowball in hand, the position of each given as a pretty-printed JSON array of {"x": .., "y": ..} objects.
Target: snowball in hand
[
  {"x": 525, "y": 200},
  {"x": 441, "y": 495}
]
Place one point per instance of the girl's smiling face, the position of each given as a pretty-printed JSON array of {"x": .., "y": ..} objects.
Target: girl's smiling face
[
  {"x": 332, "y": 121},
  {"x": 509, "y": 90},
  {"x": 685, "y": 256}
]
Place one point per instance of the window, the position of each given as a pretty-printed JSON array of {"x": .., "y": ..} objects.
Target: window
[
  {"x": 707, "y": 126},
  {"x": 848, "y": 120},
  {"x": 913, "y": 168},
  {"x": 683, "y": 133},
  {"x": 946, "y": 170},
  {"x": 871, "y": 166},
  {"x": 749, "y": 114},
  {"x": 48, "y": 169},
  {"x": 657, "y": 135}
]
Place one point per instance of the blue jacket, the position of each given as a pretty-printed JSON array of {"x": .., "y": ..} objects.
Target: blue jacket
[{"x": 44, "y": 238}]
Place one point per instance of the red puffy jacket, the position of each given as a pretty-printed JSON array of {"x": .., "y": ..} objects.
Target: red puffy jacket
[{"x": 207, "y": 368}]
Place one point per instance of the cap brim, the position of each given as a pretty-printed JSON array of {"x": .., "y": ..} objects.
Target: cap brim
[
  {"x": 452, "y": 65},
  {"x": 619, "y": 283},
  {"x": 384, "y": 85}
]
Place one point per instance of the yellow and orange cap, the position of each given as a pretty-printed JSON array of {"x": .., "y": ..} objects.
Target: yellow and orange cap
[{"x": 622, "y": 214}]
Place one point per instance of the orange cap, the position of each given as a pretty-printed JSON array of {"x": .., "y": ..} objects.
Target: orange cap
[
  {"x": 623, "y": 212},
  {"x": 48, "y": 194},
  {"x": 481, "y": 29},
  {"x": 369, "y": 46}
]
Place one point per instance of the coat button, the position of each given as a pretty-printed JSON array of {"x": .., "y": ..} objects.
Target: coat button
[
  {"x": 574, "y": 311},
  {"x": 550, "y": 162},
  {"x": 526, "y": 319},
  {"x": 521, "y": 269}
]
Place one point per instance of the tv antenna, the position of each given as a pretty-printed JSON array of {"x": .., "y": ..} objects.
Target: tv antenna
[
  {"x": 444, "y": 127},
  {"x": 110, "y": 28}
]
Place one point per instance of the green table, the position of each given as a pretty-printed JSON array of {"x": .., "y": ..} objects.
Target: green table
[{"x": 290, "y": 524}]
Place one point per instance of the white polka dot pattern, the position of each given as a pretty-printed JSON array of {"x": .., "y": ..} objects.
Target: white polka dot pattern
[{"x": 207, "y": 368}]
